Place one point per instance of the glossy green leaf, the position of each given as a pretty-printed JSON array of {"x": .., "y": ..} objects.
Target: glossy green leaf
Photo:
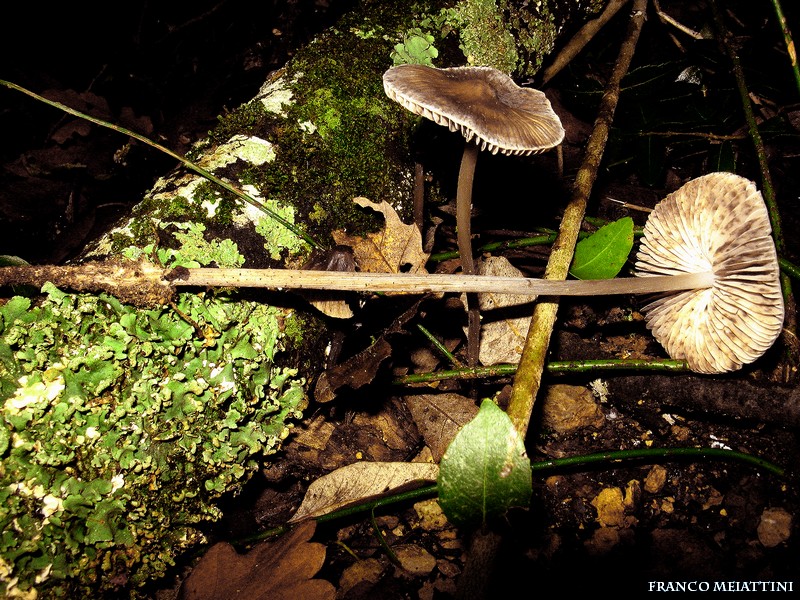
[
  {"x": 485, "y": 470},
  {"x": 603, "y": 254}
]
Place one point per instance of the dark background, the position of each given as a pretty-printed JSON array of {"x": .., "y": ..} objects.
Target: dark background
[{"x": 163, "y": 69}]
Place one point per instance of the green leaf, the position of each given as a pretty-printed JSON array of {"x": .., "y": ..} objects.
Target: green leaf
[
  {"x": 603, "y": 254},
  {"x": 485, "y": 470}
]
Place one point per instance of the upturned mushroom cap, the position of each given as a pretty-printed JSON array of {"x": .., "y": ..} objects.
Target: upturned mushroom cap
[
  {"x": 717, "y": 222},
  {"x": 480, "y": 102}
]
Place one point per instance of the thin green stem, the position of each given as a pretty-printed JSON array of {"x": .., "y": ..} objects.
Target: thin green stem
[
  {"x": 186, "y": 163},
  {"x": 652, "y": 454},
  {"x": 382, "y": 540},
  {"x": 789, "y": 268},
  {"x": 538, "y": 240},
  {"x": 439, "y": 346},
  {"x": 564, "y": 367},
  {"x": 787, "y": 38}
]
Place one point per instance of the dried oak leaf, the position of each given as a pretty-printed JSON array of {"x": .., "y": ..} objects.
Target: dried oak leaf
[
  {"x": 281, "y": 569},
  {"x": 394, "y": 249}
]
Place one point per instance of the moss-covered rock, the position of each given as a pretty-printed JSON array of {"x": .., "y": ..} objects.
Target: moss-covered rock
[{"x": 121, "y": 426}]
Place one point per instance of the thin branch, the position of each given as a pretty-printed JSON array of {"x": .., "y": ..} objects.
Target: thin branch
[
  {"x": 528, "y": 378},
  {"x": 146, "y": 284},
  {"x": 580, "y": 39},
  {"x": 562, "y": 367},
  {"x": 665, "y": 18}
]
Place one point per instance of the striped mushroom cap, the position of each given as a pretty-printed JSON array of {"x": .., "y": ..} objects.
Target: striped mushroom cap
[
  {"x": 480, "y": 102},
  {"x": 717, "y": 222}
]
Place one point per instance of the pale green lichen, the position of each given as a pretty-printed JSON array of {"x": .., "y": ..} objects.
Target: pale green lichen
[
  {"x": 121, "y": 428},
  {"x": 416, "y": 48},
  {"x": 513, "y": 38},
  {"x": 250, "y": 149},
  {"x": 484, "y": 35}
]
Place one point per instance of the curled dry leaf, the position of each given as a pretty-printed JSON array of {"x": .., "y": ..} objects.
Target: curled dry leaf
[
  {"x": 361, "y": 368},
  {"x": 281, "y": 569},
  {"x": 394, "y": 249},
  {"x": 362, "y": 482}
]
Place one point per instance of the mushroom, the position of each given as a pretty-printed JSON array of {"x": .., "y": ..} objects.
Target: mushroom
[
  {"x": 707, "y": 247},
  {"x": 720, "y": 224},
  {"x": 487, "y": 107}
]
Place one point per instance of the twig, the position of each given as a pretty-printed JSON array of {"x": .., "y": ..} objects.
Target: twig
[
  {"x": 580, "y": 39},
  {"x": 677, "y": 25},
  {"x": 557, "y": 366},
  {"x": 528, "y": 378},
  {"x": 145, "y": 284}
]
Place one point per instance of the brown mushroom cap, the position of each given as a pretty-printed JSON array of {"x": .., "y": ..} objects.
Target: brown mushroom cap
[
  {"x": 480, "y": 102},
  {"x": 717, "y": 222}
]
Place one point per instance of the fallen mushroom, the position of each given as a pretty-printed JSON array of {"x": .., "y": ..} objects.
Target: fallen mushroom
[
  {"x": 707, "y": 247},
  {"x": 716, "y": 223},
  {"x": 487, "y": 107}
]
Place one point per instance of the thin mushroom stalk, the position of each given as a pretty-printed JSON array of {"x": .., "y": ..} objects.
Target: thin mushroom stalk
[{"x": 487, "y": 107}]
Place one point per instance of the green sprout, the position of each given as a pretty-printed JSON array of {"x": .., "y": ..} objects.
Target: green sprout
[{"x": 416, "y": 48}]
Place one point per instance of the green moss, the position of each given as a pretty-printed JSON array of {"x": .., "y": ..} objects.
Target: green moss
[
  {"x": 209, "y": 200},
  {"x": 247, "y": 119},
  {"x": 505, "y": 35},
  {"x": 341, "y": 137},
  {"x": 125, "y": 429},
  {"x": 486, "y": 39}
]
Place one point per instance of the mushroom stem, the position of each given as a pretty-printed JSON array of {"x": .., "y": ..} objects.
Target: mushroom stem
[
  {"x": 401, "y": 283},
  {"x": 466, "y": 176}
]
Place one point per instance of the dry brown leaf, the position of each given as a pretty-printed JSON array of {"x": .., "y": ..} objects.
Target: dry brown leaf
[
  {"x": 361, "y": 482},
  {"x": 395, "y": 248},
  {"x": 439, "y": 417},
  {"x": 360, "y": 369},
  {"x": 281, "y": 569},
  {"x": 354, "y": 373}
]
